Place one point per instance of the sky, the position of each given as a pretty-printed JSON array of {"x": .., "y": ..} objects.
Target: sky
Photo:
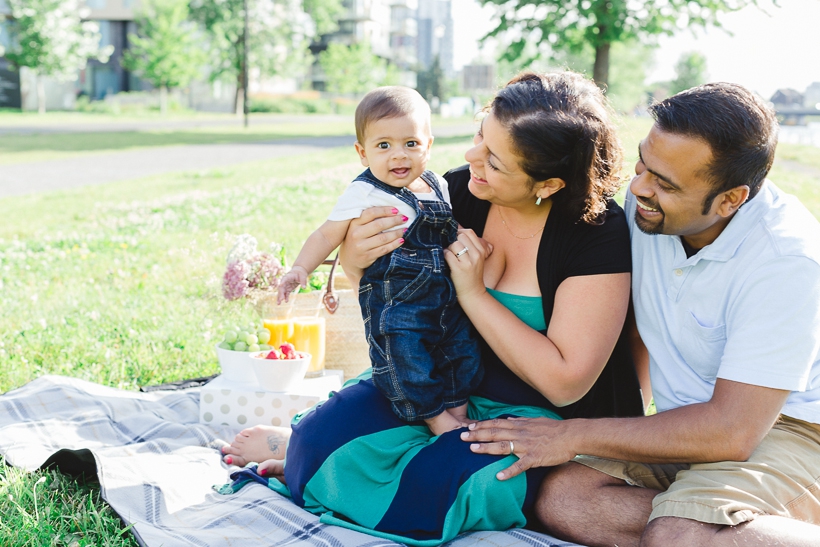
[{"x": 770, "y": 48}]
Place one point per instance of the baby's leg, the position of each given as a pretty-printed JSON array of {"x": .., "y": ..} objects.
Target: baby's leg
[
  {"x": 444, "y": 422},
  {"x": 460, "y": 414}
]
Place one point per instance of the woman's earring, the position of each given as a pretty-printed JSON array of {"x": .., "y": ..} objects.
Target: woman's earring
[{"x": 538, "y": 201}]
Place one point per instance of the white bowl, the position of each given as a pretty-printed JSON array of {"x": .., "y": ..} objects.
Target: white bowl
[
  {"x": 236, "y": 365},
  {"x": 279, "y": 374}
]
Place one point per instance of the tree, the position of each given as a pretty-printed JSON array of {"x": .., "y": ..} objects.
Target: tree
[
  {"x": 50, "y": 38},
  {"x": 569, "y": 25},
  {"x": 690, "y": 70},
  {"x": 354, "y": 68},
  {"x": 168, "y": 50},
  {"x": 431, "y": 83},
  {"x": 278, "y": 34}
]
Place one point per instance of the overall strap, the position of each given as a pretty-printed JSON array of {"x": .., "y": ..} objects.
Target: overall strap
[
  {"x": 432, "y": 181},
  {"x": 401, "y": 193}
]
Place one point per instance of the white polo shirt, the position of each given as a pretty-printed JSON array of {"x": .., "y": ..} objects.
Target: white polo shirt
[{"x": 745, "y": 308}]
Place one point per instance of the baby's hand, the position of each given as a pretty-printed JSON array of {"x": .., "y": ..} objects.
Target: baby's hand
[{"x": 292, "y": 280}]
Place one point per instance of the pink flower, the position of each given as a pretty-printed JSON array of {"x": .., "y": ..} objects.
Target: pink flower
[
  {"x": 249, "y": 270},
  {"x": 234, "y": 283}
]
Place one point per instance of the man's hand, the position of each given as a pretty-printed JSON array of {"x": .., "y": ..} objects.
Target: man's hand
[{"x": 538, "y": 442}]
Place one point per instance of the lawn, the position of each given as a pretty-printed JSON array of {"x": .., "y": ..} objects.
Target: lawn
[{"x": 120, "y": 284}]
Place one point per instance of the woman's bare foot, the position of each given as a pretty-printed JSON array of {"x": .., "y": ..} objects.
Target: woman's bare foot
[
  {"x": 443, "y": 423},
  {"x": 257, "y": 444},
  {"x": 272, "y": 469}
]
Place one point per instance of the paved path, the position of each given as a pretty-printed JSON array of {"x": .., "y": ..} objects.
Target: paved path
[{"x": 27, "y": 178}]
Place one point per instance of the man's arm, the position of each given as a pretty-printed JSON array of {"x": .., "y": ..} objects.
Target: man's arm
[{"x": 728, "y": 427}]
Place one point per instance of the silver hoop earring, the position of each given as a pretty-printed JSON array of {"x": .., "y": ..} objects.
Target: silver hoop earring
[{"x": 538, "y": 201}]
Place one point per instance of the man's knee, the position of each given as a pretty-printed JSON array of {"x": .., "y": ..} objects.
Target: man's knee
[
  {"x": 677, "y": 532},
  {"x": 565, "y": 492}
]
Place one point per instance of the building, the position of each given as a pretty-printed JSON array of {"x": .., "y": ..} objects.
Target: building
[
  {"x": 97, "y": 80},
  {"x": 435, "y": 35}
]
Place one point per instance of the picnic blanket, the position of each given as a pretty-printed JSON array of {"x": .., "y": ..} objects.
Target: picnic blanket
[{"x": 157, "y": 465}]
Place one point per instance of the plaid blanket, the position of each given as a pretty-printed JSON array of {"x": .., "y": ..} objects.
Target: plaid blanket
[{"x": 156, "y": 466}]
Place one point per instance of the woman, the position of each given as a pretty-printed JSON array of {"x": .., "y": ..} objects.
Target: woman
[{"x": 548, "y": 302}]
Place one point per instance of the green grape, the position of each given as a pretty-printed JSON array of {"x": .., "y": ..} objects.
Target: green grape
[
  {"x": 265, "y": 347},
  {"x": 230, "y": 337},
  {"x": 251, "y": 339},
  {"x": 240, "y": 346},
  {"x": 241, "y": 335},
  {"x": 263, "y": 335},
  {"x": 254, "y": 347},
  {"x": 225, "y": 345}
]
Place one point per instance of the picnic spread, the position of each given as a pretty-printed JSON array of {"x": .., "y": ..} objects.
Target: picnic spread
[{"x": 157, "y": 466}]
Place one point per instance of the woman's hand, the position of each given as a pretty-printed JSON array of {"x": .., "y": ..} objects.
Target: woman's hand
[
  {"x": 367, "y": 240},
  {"x": 467, "y": 266},
  {"x": 538, "y": 442}
]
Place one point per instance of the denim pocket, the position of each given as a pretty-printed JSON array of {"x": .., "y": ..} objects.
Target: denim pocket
[{"x": 404, "y": 278}]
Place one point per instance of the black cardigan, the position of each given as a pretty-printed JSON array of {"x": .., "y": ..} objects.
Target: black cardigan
[{"x": 567, "y": 248}]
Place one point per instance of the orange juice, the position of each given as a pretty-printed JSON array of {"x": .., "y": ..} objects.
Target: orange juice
[
  {"x": 281, "y": 331},
  {"x": 309, "y": 336}
]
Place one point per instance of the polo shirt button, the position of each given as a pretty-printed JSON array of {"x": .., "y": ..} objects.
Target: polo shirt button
[{"x": 678, "y": 272}]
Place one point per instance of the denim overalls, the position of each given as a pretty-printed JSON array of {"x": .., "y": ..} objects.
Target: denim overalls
[{"x": 425, "y": 358}]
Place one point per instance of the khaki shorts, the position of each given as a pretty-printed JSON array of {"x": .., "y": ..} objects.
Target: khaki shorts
[{"x": 782, "y": 477}]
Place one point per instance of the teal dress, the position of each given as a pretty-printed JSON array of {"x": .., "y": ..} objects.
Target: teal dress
[{"x": 354, "y": 463}]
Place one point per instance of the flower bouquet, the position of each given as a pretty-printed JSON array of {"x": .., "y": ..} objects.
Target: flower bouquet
[{"x": 255, "y": 276}]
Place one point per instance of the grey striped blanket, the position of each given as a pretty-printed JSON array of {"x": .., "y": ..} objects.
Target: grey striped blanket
[{"x": 156, "y": 465}]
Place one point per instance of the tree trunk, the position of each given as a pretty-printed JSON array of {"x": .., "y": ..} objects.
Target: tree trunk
[
  {"x": 41, "y": 94},
  {"x": 600, "y": 72},
  {"x": 163, "y": 100},
  {"x": 239, "y": 97}
]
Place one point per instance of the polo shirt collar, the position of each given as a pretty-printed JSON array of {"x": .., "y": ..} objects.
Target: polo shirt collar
[{"x": 738, "y": 229}]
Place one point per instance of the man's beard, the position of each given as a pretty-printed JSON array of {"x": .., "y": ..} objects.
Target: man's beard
[{"x": 645, "y": 226}]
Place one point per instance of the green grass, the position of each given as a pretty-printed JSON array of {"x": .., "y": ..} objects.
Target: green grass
[
  {"x": 48, "y": 508},
  {"x": 120, "y": 284}
]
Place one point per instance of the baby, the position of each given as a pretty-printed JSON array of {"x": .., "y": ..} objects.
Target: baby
[{"x": 425, "y": 359}]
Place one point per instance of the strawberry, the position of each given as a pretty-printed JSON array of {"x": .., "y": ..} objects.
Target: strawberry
[
  {"x": 288, "y": 350},
  {"x": 272, "y": 355}
]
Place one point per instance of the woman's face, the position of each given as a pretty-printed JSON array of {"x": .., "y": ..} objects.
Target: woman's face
[{"x": 495, "y": 173}]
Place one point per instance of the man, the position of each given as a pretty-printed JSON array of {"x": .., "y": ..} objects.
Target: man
[{"x": 726, "y": 296}]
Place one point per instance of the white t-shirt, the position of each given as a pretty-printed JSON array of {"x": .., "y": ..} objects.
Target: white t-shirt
[
  {"x": 745, "y": 308},
  {"x": 361, "y": 195}
]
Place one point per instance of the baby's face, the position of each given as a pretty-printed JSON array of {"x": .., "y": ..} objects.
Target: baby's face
[{"x": 396, "y": 149}]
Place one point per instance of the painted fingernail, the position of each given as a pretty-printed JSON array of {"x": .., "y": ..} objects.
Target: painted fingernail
[
  {"x": 401, "y": 241},
  {"x": 228, "y": 460},
  {"x": 404, "y": 218},
  {"x": 263, "y": 472},
  {"x": 404, "y": 231},
  {"x": 395, "y": 211}
]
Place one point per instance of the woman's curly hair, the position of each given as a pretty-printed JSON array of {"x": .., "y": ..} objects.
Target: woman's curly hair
[{"x": 560, "y": 125}]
